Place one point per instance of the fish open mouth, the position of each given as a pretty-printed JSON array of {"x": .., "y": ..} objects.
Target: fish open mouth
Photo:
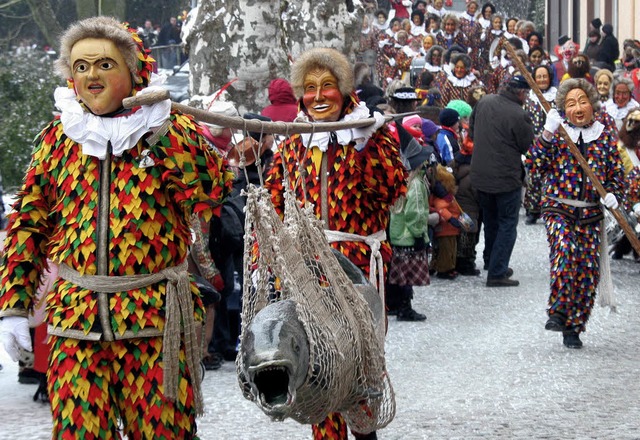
[{"x": 271, "y": 384}]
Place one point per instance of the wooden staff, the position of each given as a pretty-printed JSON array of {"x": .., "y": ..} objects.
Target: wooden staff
[
  {"x": 255, "y": 125},
  {"x": 617, "y": 213}
]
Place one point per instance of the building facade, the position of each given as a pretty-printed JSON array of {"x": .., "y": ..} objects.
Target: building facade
[{"x": 572, "y": 18}]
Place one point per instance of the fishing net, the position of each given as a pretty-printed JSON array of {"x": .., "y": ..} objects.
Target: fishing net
[{"x": 292, "y": 259}]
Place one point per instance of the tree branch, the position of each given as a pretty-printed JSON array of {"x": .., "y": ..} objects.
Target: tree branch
[{"x": 46, "y": 20}]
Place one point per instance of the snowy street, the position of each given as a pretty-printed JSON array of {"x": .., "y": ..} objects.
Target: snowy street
[{"x": 481, "y": 367}]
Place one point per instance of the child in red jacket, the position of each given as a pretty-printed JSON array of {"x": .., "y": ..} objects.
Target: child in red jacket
[{"x": 448, "y": 228}]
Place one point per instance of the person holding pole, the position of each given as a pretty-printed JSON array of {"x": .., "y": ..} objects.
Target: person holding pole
[
  {"x": 108, "y": 197},
  {"x": 352, "y": 176},
  {"x": 572, "y": 208}
]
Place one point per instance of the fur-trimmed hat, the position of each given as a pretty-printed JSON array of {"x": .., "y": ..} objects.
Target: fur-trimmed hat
[
  {"x": 324, "y": 58},
  {"x": 126, "y": 39}
]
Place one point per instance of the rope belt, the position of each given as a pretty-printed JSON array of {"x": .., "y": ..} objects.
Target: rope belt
[
  {"x": 179, "y": 307},
  {"x": 376, "y": 265},
  {"x": 574, "y": 203}
]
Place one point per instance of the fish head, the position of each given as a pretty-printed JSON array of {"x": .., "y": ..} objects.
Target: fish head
[{"x": 276, "y": 358}]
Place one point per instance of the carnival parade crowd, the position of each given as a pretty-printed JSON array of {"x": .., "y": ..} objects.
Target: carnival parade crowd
[{"x": 475, "y": 142}]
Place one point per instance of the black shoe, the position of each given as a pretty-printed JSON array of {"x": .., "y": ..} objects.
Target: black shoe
[
  {"x": 392, "y": 312},
  {"x": 410, "y": 315},
  {"x": 370, "y": 436},
  {"x": 502, "y": 282},
  {"x": 28, "y": 376},
  {"x": 212, "y": 361},
  {"x": 471, "y": 272},
  {"x": 42, "y": 394},
  {"x": 571, "y": 339},
  {"x": 556, "y": 323},
  {"x": 531, "y": 219}
]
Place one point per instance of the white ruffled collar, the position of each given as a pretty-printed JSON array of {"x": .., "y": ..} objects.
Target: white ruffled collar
[
  {"x": 549, "y": 95},
  {"x": 93, "y": 132},
  {"x": 589, "y": 134},
  {"x": 410, "y": 52},
  {"x": 466, "y": 81},
  {"x": 381, "y": 27},
  {"x": 321, "y": 139},
  {"x": 484, "y": 22},
  {"x": 449, "y": 36},
  {"x": 431, "y": 68},
  {"x": 440, "y": 13},
  {"x": 468, "y": 16},
  {"x": 619, "y": 113}
]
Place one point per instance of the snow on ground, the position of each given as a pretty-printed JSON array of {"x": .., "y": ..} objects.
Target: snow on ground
[{"x": 481, "y": 367}]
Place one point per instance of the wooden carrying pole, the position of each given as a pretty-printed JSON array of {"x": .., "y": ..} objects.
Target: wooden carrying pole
[
  {"x": 239, "y": 123},
  {"x": 617, "y": 213}
]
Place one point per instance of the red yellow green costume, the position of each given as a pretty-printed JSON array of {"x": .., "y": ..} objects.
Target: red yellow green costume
[
  {"x": 149, "y": 209},
  {"x": 361, "y": 186}
]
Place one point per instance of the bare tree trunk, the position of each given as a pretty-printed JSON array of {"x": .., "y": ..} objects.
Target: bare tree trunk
[
  {"x": 254, "y": 41},
  {"x": 46, "y": 20},
  {"x": 86, "y": 8},
  {"x": 115, "y": 8}
]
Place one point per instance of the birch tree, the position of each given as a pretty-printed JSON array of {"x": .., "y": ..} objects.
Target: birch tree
[{"x": 255, "y": 41}]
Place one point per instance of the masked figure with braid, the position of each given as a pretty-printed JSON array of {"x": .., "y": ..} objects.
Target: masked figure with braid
[
  {"x": 351, "y": 176},
  {"x": 108, "y": 197}
]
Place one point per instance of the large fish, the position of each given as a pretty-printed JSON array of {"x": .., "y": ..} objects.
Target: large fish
[{"x": 275, "y": 352}]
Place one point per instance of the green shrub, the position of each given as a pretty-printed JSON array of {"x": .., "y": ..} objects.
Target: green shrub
[{"x": 27, "y": 82}]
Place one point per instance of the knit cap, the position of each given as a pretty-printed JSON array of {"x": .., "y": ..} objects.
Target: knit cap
[
  {"x": 448, "y": 117},
  {"x": 429, "y": 128},
  {"x": 409, "y": 121}
]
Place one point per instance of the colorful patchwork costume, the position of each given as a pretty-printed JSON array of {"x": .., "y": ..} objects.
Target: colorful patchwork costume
[
  {"x": 112, "y": 348},
  {"x": 360, "y": 188},
  {"x": 572, "y": 214}
]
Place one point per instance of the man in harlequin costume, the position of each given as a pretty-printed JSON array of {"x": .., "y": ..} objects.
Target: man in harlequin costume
[
  {"x": 571, "y": 208},
  {"x": 352, "y": 176},
  {"x": 107, "y": 197}
]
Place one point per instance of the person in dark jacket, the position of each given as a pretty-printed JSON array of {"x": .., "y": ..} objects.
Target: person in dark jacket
[
  {"x": 592, "y": 47},
  {"x": 609, "y": 49},
  {"x": 501, "y": 133},
  {"x": 284, "y": 106}
]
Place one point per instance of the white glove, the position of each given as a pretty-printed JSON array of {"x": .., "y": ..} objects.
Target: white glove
[
  {"x": 434, "y": 219},
  {"x": 636, "y": 210},
  {"x": 14, "y": 332},
  {"x": 392, "y": 62},
  {"x": 362, "y": 135},
  {"x": 609, "y": 201},
  {"x": 553, "y": 121}
]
